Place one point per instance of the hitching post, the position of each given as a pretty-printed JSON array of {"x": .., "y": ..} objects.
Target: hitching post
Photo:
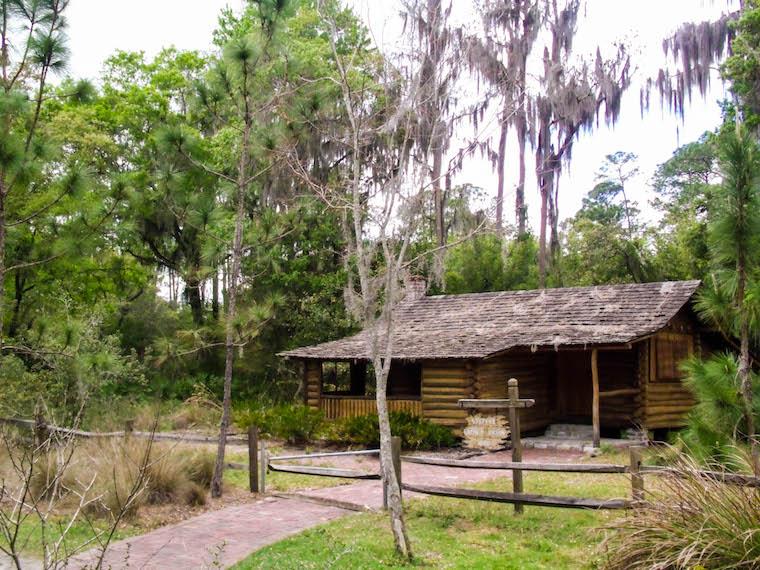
[
  {"x": 263, "y": 464},
  {"x": 514, "y": 427},
  {"x": 513, "y": 403}
]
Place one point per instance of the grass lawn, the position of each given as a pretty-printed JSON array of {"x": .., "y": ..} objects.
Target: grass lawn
[
  {"x": 30, "y": 534},
  {"x": 278, "y": 481},
  {"x": 453, "y": 533}
]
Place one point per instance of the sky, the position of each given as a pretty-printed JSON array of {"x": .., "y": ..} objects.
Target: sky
[{"x": 98, "y": 28}]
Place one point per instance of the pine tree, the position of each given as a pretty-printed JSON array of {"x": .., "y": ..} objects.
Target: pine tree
[
  {"x": 25, "y": 67},
  {"x": 734, "y": 238}
]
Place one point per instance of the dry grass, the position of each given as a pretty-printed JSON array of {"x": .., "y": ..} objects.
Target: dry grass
[
  {"x": 689, "y": 521},
  {"x": 107, "y": 470}
]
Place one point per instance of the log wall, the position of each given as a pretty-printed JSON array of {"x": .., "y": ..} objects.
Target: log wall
[
  {"x": 444, "y": 382},
  {"x": 534, "y": 373},
  {"x": 668, "y": 401},
  {"x": 618, "y": 370},
  {"x": 312, "y": 375}
]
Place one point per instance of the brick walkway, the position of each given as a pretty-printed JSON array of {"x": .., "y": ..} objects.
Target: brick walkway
[{"x": 226, "y": 536}]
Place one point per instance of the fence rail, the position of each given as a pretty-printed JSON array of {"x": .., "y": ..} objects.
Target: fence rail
[
  {"x": 323, "y": 471},
  {"x": 511, "y": 465},
  {"x": 520, "y": 498}
]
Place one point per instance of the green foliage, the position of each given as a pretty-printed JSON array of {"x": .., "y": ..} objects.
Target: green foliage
[
  {"x": 295, "y": 423},
  {"x": 716, "y": 423},
  {"x": 487, "y": 263},
  {"x": 415, "y": 432}
]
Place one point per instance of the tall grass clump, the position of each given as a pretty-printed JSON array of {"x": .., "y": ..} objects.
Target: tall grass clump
[{"x": 690, "y": 520}]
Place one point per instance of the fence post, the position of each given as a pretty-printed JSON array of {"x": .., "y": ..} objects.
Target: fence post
[
  {"x": 513, "y": 392},
  {"x": 396, "y": 454},
  {"x": 41, "y": 432},
  {"x": 129, "y": 427},
  {"x": 263, "y": 463},
  {"x": 253, "y": 459},
  {"x": 637, "y": 481}
]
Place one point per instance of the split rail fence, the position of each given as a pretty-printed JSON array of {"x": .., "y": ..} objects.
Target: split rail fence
[{"x": 260, "y": 462}]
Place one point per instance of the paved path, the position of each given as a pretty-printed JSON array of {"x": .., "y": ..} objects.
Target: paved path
[{"x": 226, "y": 536}]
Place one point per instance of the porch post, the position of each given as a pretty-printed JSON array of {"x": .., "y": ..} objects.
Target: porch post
[{"x": 595, "y": 401}]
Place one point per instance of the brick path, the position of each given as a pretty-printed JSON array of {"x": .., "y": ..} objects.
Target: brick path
[{"x": 226, "y": 536}]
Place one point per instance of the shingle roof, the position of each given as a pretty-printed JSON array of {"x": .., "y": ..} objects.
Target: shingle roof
[{"x": 480, "y": 324}]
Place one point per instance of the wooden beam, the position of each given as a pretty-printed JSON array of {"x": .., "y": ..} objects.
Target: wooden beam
[
  {"x": 595, "y": 400},
  {"x": 496, "y": 403},
  {"x": 621, "y": 392}
]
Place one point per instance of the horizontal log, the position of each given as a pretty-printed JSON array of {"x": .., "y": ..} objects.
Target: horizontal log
[
  {"x": 510, "y": 465},
  {"x": 323, "y": 471},
  {"x": 327, "y": 454},
  {"x": 325, "y": 501},
  {"x": 620, "y": 392},
  {"x": 520, "y": 498},
  {"x": 496, "y": 403},
  {"x": 728, "y": 478},
  {"x": 445, "y": 413}
]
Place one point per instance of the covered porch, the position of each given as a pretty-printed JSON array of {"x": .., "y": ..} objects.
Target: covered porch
[{"x": 346, "y": 388}]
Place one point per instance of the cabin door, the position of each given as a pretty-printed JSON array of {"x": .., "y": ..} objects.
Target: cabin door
[{"x": 574, "y": 389}]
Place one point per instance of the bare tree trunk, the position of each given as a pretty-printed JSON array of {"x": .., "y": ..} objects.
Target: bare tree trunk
[
  {"x": 398, "y": 526},
  {"x": 440, "y": 229},
  {"x": 215, "y": 295},
  {"x": 502, "y": 158},
  {"x": 2, "y": 260},
  {"x": 745, "y": 376},
  {"x": 542, "y": 235},
  {"x": 520, "y": 209},
  {"x": 231, "y": 314}
]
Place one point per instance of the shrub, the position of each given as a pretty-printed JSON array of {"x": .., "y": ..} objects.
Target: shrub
[
  {"x": 692, "y": 521},
  {"x": 294, "y": 423},
  {"x": 716, "y": 423},
  {"x": 415, "y": 432}
]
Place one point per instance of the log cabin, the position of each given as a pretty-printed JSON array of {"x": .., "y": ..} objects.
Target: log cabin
[{"x": 606, "y": 355}]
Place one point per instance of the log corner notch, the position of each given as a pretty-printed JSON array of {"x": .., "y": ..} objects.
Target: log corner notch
[{"x": 595, "y": 399}]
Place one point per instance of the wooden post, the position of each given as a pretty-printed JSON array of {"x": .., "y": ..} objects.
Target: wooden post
[
  {"x": 263, "y": 464},
  {"x": 513, "y": 393},
  {"x": 253, "y": 459},
  {"x": 129, "y": 427},
  {"x": 637, "y": 481},
  {"x": 396, "y": 455},
  {"x": 595, "y": 402},
  {"x": 41, "y": 432}
]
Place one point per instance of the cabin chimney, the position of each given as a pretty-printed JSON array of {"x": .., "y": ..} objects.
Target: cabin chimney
[{"x": 414, "y": 288}]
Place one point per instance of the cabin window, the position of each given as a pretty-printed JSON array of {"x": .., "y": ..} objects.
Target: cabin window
[
  {"x": 405, "y": 379},
  {"x": 336, "y": 378},
  {"x": 358, "y": 379},
  {"x": 671, "y": 350}
]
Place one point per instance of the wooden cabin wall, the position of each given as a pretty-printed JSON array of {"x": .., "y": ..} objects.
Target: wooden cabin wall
[
  {"x": 444, "y": 382},
  {"x": 668, "y": 400},
  {"x": 619, "y": 370},
  {"x": 312, "y": 375},
  {"x": 534, "y": 373}
]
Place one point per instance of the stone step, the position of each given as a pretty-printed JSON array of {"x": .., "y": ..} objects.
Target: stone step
[{"x": 570, "y": 431}]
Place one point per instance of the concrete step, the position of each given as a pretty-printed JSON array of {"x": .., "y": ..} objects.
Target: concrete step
[{"x": 570, "y": 431}]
